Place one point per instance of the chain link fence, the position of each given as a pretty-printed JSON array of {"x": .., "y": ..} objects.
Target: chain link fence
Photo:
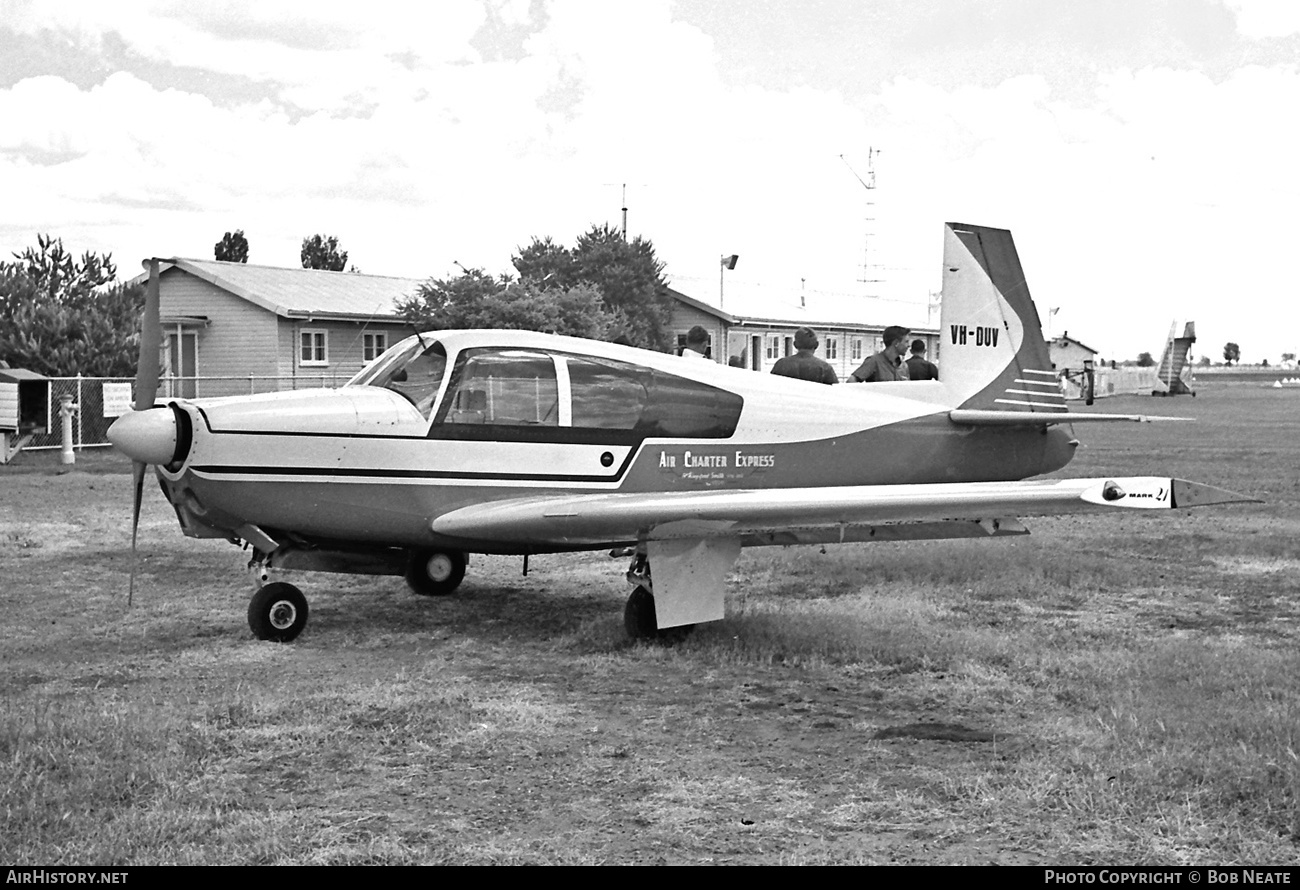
[{"x": 91, "y": 419}]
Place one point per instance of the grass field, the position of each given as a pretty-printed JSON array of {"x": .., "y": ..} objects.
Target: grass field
[{"x": 1116, "y": 689}]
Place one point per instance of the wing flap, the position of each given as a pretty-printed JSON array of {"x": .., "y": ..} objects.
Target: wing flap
[{"x": 593, "y": 519}]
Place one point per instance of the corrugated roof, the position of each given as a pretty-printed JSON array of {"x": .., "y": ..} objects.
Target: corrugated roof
[{"x": 302, "y": 292}]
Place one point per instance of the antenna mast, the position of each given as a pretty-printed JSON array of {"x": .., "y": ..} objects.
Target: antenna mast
[{"x": 870, "y": 271}]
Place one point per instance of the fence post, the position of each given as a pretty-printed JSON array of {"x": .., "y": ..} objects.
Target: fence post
[{"x": 81, "y": 400}]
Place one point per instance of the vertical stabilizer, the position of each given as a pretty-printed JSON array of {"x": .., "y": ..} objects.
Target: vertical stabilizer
[{"x": 992, "y": 352}]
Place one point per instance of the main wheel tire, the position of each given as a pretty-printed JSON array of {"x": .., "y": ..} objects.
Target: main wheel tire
[
  {"x": 277, "y": 612},
  {"x": 435, "y": 572},
  {"x": 641, "y": 622},
  {"x": 639, "y": 615}
]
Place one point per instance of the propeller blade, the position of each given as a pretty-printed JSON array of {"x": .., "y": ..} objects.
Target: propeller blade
[
  {"x": 147, "y": 372},
  {"x": 148, "y": 368},
  {"x": 138, "y": 471}
]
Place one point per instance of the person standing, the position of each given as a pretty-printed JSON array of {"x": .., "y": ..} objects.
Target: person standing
[
  {"x": 887, "y": 364},
  {"x": 917, "y": 366},
  {"x": 697, "y": 343},
  {"x": 803, "y": 365}
]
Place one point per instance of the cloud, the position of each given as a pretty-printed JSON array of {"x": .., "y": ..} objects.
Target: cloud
[
  {"x": 1159, "y": 187},
  {"x": 1266, "y": 18}
]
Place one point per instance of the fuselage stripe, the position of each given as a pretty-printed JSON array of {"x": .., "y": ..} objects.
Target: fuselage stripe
[{"x": 362, "y": 473}]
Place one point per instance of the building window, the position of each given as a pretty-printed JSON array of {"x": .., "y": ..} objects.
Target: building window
[
  {"x": 856, "y": 352},
  {"x": 373, "y": 346},
  {"x": 774, "y": 348},
  {"x": 312, "y": 347},
  {"x": 832, "y": 348}
]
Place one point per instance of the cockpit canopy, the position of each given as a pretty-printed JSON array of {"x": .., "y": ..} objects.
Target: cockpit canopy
[{"x": 501, "y": 387}]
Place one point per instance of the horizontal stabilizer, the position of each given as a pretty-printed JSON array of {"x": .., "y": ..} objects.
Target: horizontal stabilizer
[{"x": 976, "y": 417}]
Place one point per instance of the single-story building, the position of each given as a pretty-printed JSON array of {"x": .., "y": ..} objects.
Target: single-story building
[
  {"x": 232, "y": 328},
  {"x": 1068, "y": 354},
  {"x": 757, "y": 330}
]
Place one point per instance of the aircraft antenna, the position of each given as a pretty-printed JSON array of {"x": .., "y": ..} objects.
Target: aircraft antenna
[{"x": 870, "y": 271}]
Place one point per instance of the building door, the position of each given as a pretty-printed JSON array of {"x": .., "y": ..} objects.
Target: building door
[
  {"x": 756, "y": 353},
  {"x": 182, "y": 364}
]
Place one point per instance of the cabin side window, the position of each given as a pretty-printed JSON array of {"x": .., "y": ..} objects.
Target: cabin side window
[
  {"x": 607, "y": 395},
  {"x": 680, "y": 408},
  {"x": 503, "y": 388}
]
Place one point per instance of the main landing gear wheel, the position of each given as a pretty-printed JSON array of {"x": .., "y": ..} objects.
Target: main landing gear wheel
[
  {"x": 435, "y": 572},
  {"x": 640, "y": 622},
  {"x": 277, "y": 612}
]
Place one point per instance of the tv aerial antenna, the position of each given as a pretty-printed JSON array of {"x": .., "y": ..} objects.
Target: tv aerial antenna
[{"x": 871, "y": 274}]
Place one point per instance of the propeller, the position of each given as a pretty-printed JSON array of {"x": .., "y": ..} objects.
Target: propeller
[{"x": 146, "y": 389}]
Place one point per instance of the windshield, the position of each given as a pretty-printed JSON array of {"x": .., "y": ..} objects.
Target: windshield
[{"x": 413, "y": 368}]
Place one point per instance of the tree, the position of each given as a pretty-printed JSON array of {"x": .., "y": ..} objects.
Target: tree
[
  {"x": 631, "y": 281},
  {"x": 232, "y": 248},
  {"x": 627, "y": 275},
  {"x": 476, "y": 300},
  {"x": 1145, "y": 360},
  {"x": 322, "y": 252},
  {"x": 1231, "y": 352},
  {"x": 546, "y": 263},
  {"x": 1204, "y": 362},
  {"x": 60, "y": 316}
]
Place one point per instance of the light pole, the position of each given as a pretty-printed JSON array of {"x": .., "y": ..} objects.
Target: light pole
[{"x": 728, "y": 262}]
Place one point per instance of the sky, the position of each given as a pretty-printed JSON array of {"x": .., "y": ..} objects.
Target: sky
[{"x": 1142, "y": 152}]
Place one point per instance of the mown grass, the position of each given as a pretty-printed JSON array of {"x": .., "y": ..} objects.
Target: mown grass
[{"x": 1107, "y": 690}]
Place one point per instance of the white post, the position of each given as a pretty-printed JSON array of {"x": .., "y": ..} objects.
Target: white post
[{"x": 66, "y": 409}]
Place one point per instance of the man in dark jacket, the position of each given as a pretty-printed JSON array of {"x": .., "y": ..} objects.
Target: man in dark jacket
[
  {"x": 803, "y": 364},
  {"x": 917, "y": 367}
]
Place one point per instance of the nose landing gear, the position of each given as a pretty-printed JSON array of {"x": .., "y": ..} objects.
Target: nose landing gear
[{"x": 277, "y": 612}]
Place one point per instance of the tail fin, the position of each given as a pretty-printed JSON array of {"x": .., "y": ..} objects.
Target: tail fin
[{"x": 992, "y": 354}]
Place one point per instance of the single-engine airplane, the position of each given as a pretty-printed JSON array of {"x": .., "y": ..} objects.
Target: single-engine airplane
[{"x": 512, "y": 442}]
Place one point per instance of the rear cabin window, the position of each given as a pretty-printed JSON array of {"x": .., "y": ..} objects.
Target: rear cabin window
[{"x": 593, "y": 399}]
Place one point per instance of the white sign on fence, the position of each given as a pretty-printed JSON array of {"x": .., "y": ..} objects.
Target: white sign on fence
[{"x": 117, "y": 399}]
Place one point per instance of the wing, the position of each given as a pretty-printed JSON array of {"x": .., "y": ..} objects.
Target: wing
[{"x": 595, "y": 519}]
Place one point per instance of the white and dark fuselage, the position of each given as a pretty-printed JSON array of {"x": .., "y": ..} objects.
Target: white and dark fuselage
[{"x": 363, "y": 465}]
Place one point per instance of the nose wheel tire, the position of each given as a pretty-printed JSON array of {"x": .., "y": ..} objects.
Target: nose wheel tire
[
  {"x": 277, "y": 612},
  {"x": 435, "y": 572}
]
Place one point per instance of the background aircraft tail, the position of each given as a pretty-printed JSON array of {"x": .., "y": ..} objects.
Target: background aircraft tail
[{"x": 992, "y": 355}]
